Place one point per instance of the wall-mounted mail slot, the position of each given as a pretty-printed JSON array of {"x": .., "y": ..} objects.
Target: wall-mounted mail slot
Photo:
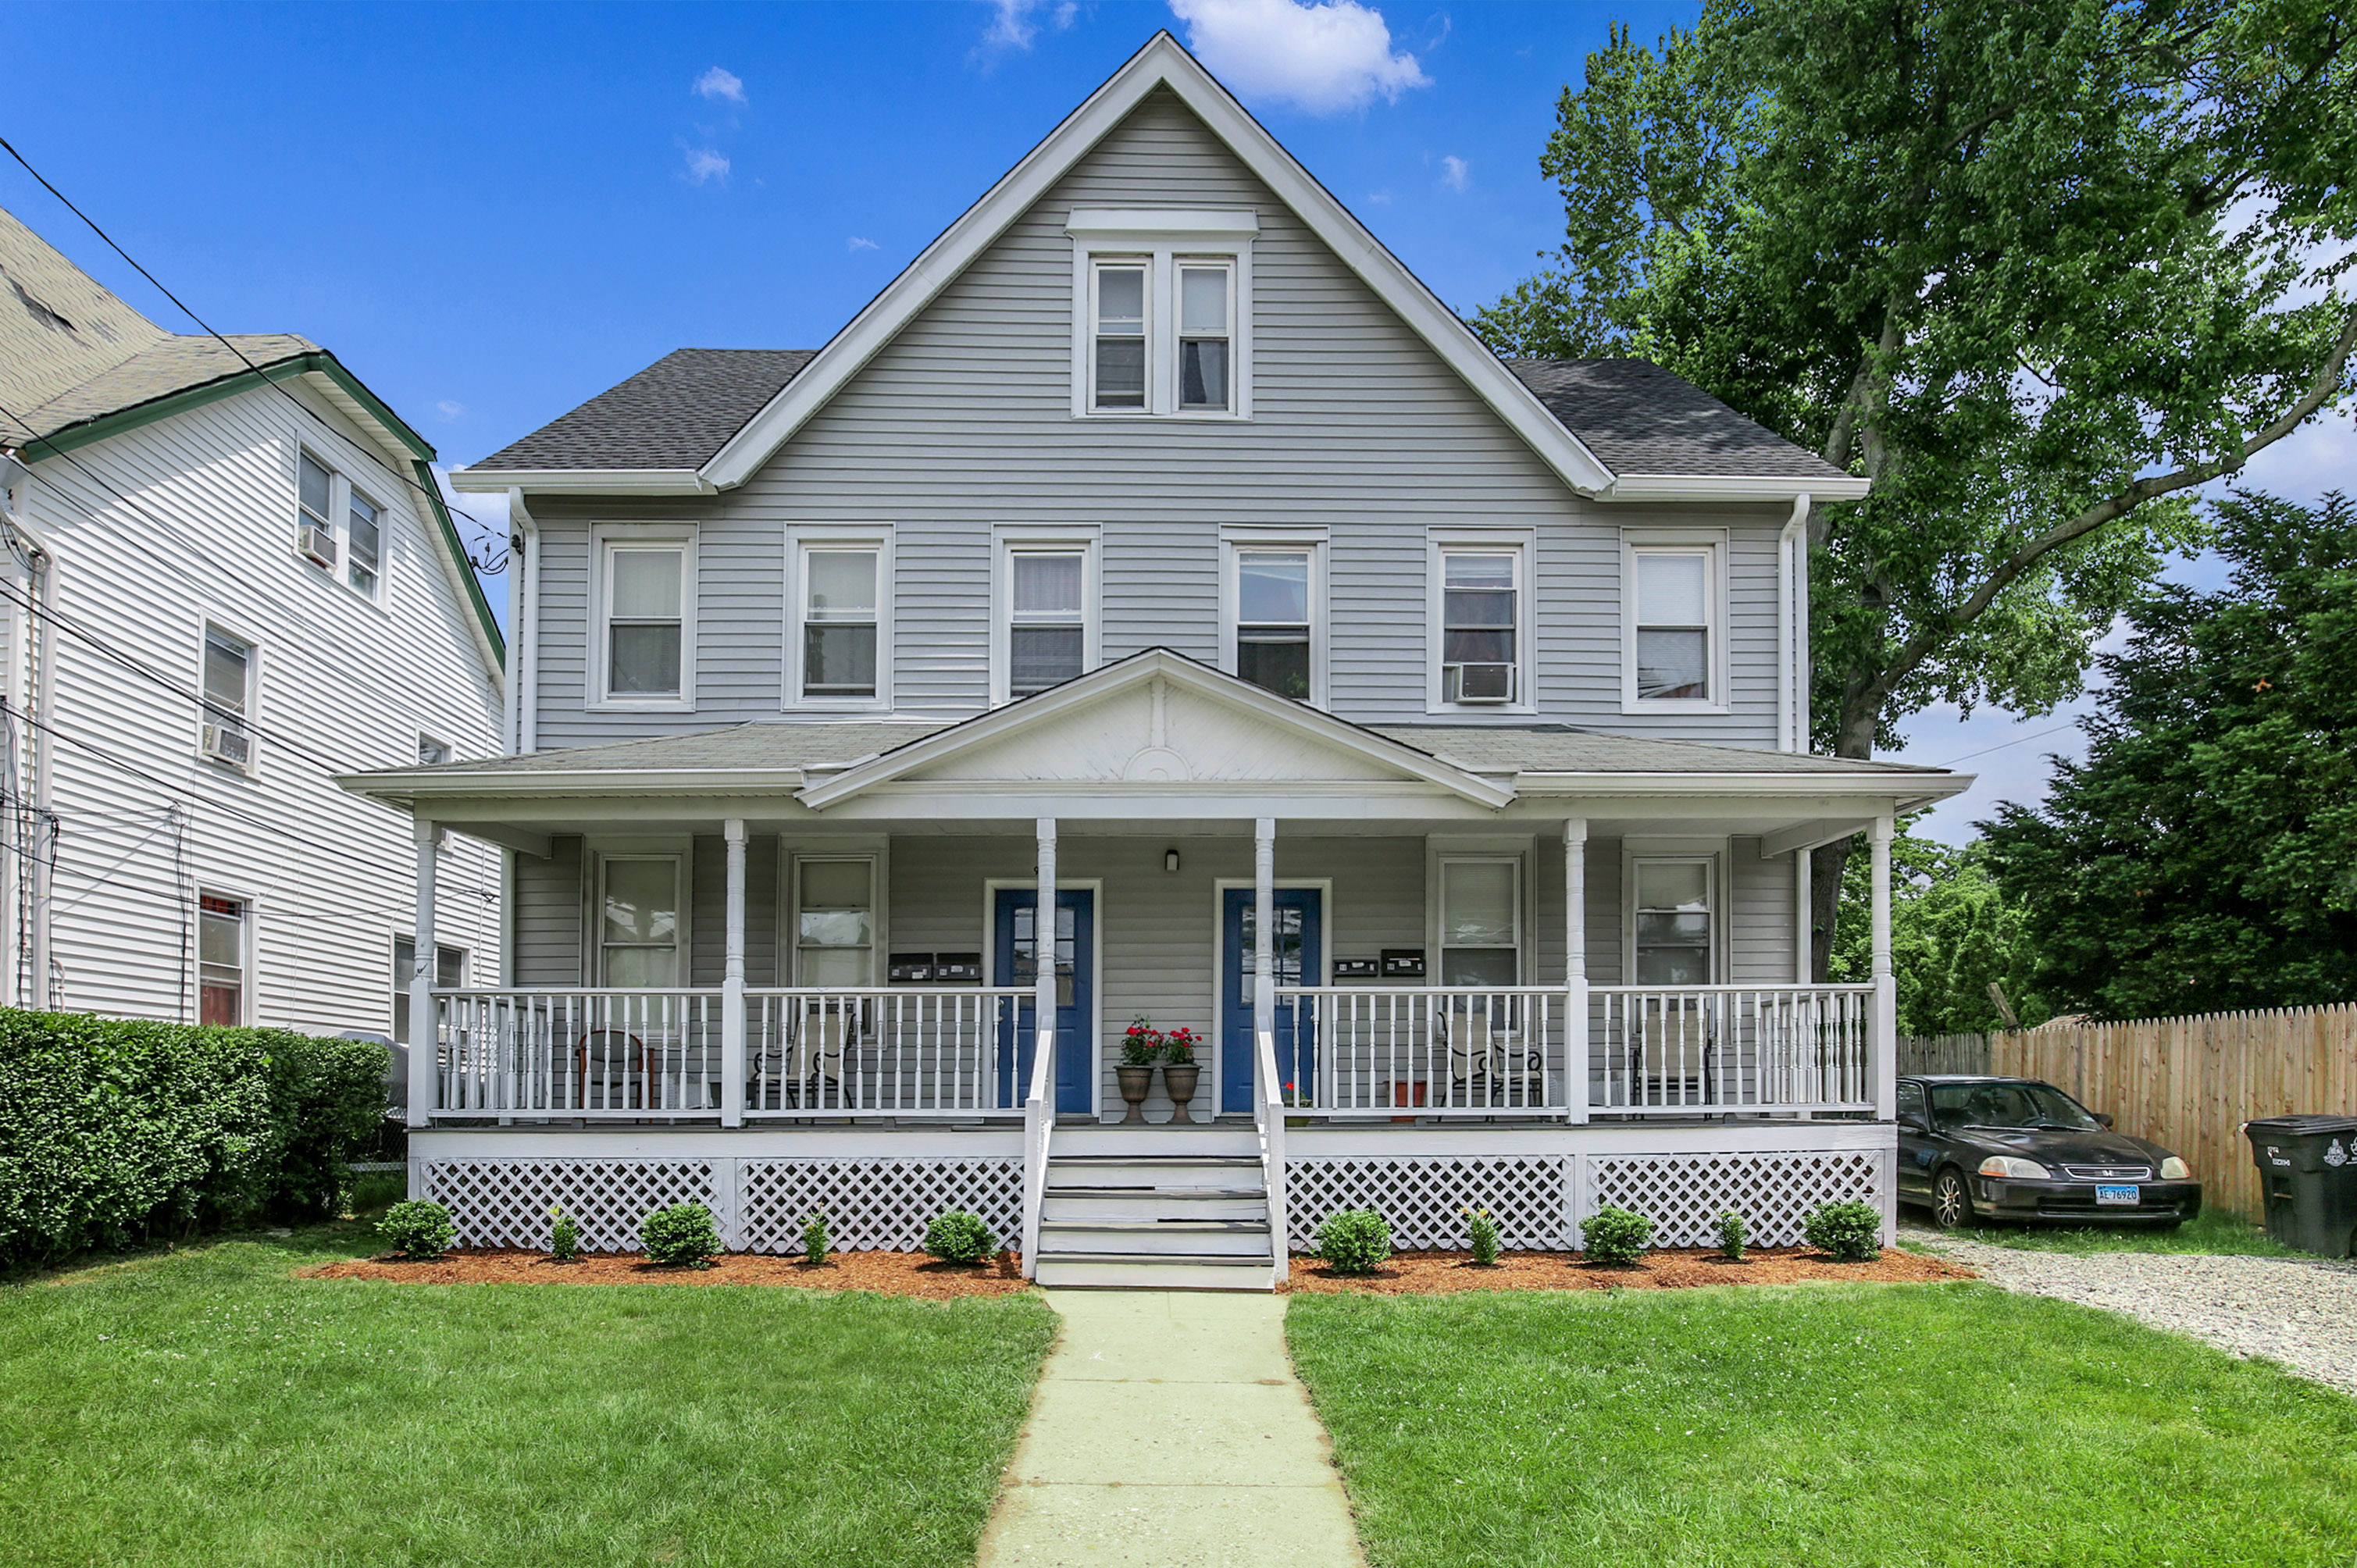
[
  {"x": 1358, "y": 969},
  {"x": 912, "y": 968},
  {"x": 1402, "y": 963},
  {"x": 957, "y": 968}
]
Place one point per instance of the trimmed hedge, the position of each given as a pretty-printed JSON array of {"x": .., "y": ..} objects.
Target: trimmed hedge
[{"x": 117, "y": 1131}]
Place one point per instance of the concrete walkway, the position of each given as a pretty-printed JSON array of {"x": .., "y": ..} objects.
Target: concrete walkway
[{"x": 1169, "y": 1431}]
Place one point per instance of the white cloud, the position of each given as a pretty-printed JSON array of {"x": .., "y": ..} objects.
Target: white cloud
[
  {"x": 856, "y": 243},
  {"x": 449, "y": 410},
  {"x": 720, "y": 83},
  {"x": 1323, "y": 59},
  {"x": 1455, "y": 172},
  {"x": 705, "y": 163},
  {"x": 1014, "y": 22}
]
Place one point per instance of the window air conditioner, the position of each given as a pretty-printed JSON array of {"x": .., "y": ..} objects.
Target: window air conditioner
[
  {"x": 1477, "y": 683},
  {"x": 223, "y": 744},
  {"x": 317, "y": 542}
]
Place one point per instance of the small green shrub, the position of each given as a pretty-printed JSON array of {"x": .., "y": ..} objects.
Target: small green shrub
[
  {"x": 1851, "y": 1231},
  {"x": 682, "y": 1236},
  {"x": 815, "y": 1240},
  {"x": 564, "y": 1236},
  {"x": 1615, "y": 1237},
  {"x": 960, "y": 1237},
  {"x": 1734, "y": 1231},
  {"x": 418, "y": 1229},
  {"x": 1482, "y": 1228},
  {"x": 1354, "y": 1242}
]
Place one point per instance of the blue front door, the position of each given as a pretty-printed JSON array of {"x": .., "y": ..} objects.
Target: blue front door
[
  {"x": 1016, "y": 914},
  {"x": 1299, "y": 942}
]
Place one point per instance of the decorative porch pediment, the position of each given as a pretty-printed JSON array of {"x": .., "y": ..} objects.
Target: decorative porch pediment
[{"x": 1158, "y": 723}]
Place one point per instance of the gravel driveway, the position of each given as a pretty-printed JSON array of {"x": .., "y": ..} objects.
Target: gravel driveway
[{"x": 2301, "y": 1312}]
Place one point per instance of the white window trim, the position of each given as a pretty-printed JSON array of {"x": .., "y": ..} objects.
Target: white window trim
[
  {"x": 1523, "y": 542},
  {"x": 1162, "y": 238},
  {"x": 1236, "y": 538},
  {"x": 339, "y": 526},
  {"x": 593, "y": 894},
  {"x": 426, "y": 738},
  {"x": 1007, "y": 540},
  {"x": 800, "y": 539},
  {"x": 248, "y": 967},
  {"x": 602, "y": 540},
  {"x": 249, "y": 722},
  {"x": 1712, "y": 851},
  {"x": 877, "y": 852},
  {"x": 1439, "y": 850},
  {"x": 1711, "y": 542}
]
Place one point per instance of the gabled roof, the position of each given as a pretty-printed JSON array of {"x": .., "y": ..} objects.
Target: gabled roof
[
  {"x": 78, "y": 364},
  {"x": 597, "y": 447},
  {"x": 1643, "y": 421}
]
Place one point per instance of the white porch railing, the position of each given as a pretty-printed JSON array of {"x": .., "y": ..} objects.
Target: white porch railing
[
  {"x": 1688, "y": 1050},
  {"x": 1268, "y": 1118},
  {"x": 592, "y": 1054},
  {"x": 881, "y": 1052},
  {"x": 1430, "y": 1050}
]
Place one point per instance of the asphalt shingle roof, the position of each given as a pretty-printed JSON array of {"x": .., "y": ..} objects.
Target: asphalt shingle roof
[
  {"x": 1638, "y": 418},
  {"x": 675, "y": 413}
]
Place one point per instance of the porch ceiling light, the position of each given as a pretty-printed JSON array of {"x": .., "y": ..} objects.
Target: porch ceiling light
[
  {"x": 2014, "y": 1166},
  {"x": 1169, "y": 860}
]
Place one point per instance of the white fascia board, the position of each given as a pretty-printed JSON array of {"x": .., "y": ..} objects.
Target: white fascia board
[
  {"x": 424, "y": 787},
  {"x": 1734, "y": 487},
  {"x": 1161, "y": 63},
  {"x": 583, "y": 481},
  {"x": 1913, "y": 786},
  {"x": 1169, "y": 223}
]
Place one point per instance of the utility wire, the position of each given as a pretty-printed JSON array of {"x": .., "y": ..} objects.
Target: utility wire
[
  {"x": 434, "y": 495},
  {"x": 2000, "y": 746}
]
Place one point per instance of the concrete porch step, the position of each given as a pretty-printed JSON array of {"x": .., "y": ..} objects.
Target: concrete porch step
[
  {"x": 1222, "y": 1238},
  {"x": 1203, "y": 1138},
  {"x": 1117, "y": 1204},
  {"x": 1123, "y": 1272}
]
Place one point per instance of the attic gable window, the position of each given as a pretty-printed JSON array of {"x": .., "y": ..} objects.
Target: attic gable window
[{"x": 1161, "y": 312}]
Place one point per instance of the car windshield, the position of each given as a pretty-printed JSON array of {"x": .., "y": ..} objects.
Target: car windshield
[{"x": 2029, "y": 1105}]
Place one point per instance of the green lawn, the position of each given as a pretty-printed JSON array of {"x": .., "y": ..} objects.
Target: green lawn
[
  {"x": 2210, "y": 1232},
  {"x": 1844, "y": 1424},
  {"x": 206, "y": 1409}
]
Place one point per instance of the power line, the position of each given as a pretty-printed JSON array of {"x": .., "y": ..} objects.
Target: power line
[
  {"x": 2000, "y": 746},
  {"x": 431, "y": 494}
]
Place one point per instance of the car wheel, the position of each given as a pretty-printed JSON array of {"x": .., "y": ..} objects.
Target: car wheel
[{"x": 1952, "y": 1200}]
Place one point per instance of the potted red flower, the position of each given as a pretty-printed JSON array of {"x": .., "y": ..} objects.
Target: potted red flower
[
  {"x": 1141, "y": 1047},
  {"x": 1180, "y": 1070}
]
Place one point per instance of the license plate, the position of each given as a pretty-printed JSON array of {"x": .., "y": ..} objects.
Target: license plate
[{"x": 2119, "y": 1194}]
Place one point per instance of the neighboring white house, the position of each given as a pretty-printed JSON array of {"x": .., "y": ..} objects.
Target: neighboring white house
[
  {"x": 1423, "y": 730},
  {"x": 221, "y": 587}
]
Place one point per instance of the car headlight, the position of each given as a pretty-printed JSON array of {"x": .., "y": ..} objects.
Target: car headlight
[
  {"x": 2174, "y": 1169},
  {"x": 2014, "y": 1165}
]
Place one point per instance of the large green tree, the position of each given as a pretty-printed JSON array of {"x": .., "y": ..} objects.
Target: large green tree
[
  {"x": 1954, "y": 932},
  {"x": 2038, "y": 267},
  {"x": 2203, "y": 857}
]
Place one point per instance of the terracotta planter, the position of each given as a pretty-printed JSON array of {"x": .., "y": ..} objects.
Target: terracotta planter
[
  {"x": 1179, "y": 1084},
  {"x": 1137, "y": 1083}
]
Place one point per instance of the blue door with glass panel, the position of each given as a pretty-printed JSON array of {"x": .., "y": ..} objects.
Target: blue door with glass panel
[
  {"x": 1298, "y": 940},
  {"x": 1015, "y": 913}
]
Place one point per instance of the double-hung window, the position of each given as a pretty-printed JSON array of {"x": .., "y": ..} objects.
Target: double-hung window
[
  {"x": 1672, "y": 643},
  {"x": 449, "y": 974},
  {"x": 647, "y": 590},
  {"x": 1206, "y": 292},
  {"x": 229, "y": 662},
  {"x": 1675, "y": 917},
  {"x": 1481, "y": 625},
  {"x": 639, "y": 899},
  {"x": 1480, "y": 920},
  {"x": 1162, "y": 312},
  {"x": 834, "y": 921},
  {"x": 224, "y": 938},
  {"x": 1047, "y": 632},
  {"x": 1119, "y": 381},
  {"x": 1273, "y": 593},
  {"x": 842, "y": 652},
  {"x": 339, "y": 528},
  {"x": 365, "y": 532}
]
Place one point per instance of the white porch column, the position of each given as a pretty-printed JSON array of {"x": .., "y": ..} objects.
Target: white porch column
[
  {"x": 732, "y": 984},
  {"x": 1264, "y": 931},
  {"x": 1804, "y": 918},
  {"x": 424, "y": 1028},
  {"x": 1043, "y": 941},
  {"x": 1886, "y": 983},
  {"x": 1574, "y": 968}
]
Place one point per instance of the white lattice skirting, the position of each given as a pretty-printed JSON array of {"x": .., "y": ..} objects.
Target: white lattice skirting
[
  {"x": 1539, "y": 1200},
  {"x": 869, "y": 1204}
]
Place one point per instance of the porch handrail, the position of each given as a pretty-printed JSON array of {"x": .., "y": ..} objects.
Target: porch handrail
[
  {"x": 1268, "y": 1111},
  {"x": 1687, "y": 1050},
  {"x": 586, "y": 1052},
  {"x": 1038, "y": 1126},
  {"x": 1428, "y": 1050},
  {"x": 879, "y": 1050}
]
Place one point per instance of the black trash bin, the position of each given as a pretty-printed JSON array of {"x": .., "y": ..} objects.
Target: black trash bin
[{"x": 2308, "y": 1171}]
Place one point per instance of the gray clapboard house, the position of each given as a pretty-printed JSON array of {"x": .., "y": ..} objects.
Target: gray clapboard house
[{"x": 1425, "y": 731}]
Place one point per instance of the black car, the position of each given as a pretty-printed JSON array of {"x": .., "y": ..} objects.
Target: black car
[{"x": 2016, "y": 1148}]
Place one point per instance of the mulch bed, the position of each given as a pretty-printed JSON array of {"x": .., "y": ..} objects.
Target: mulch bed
[
  {"x": 1437, "y": 1274},
  {"x": 888, "y": 1273}
]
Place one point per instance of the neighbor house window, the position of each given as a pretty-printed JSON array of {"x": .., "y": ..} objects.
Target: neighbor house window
[
  {"x": 364, "y": 530},
  {"x": 338, "y": 529},
  {"x": 1673, "y": 640},
  {"x": 1119, "y": 364},
  {"x": 841, "y": 629},
  {"x": 1480, "y": 920},
  {"x": 834, "y": 921},
  {"x": 449, "y": 974},
  {"x": 1204, "y": 313},
  {"x": 229, "y": 699},
  {"x": 638, "y": 920},
  {"x": 1480, "y": 626},
  {"x": 223, "y": 940},
  {"x": 431, "y": 753},
  {"x": 1675, "y": 921},
  {"x": 646, "y": 592},
  {"x": 1162, "y": 311},
  {"x": 1047, "y": 625},
  {"x": 1273, "y": 648}
]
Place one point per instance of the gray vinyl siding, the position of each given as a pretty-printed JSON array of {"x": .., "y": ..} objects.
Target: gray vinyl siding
[
  {"x": 707, "y": 930},
  {"x": 1760, "y": 922},
  {"x": 964, "y": 422},
  {"x": 546, "y": 920}
]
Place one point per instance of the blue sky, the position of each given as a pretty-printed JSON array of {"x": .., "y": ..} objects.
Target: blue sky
[{"x": 492, "y": 212}]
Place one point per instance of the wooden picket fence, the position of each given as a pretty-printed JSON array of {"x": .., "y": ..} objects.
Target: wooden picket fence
[{"x": 2186, "y": 1083}]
